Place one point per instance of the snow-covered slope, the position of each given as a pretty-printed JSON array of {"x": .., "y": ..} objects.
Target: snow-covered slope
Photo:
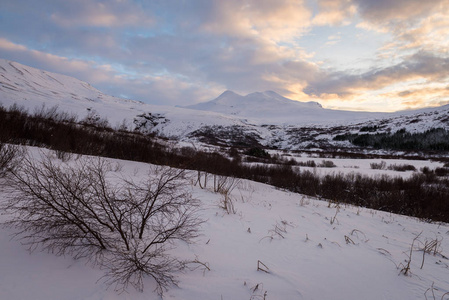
[{"x": 311, "y": 250}]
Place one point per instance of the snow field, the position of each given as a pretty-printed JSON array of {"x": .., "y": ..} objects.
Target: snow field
[
  {"x": 312, "y": 249},
  {"x": 363, "y": 166}
]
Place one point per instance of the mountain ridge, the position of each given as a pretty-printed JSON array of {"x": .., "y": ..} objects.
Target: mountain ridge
[{"x": 255, "y": 105}]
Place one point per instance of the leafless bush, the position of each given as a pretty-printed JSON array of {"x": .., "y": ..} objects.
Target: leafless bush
[
  {"x": 202, "y": 176},
  {"x": 10, "y": 156},
  {"x": 63, "y": 155},
  {"x": 54, "y": 114},
  {"x": 327, "y": 164},
  {"x": 309, "y": 163},
  {"x": 123, "y": 226},
  {"x": 94, "y": 119},
  {"x": 224, "y": 185},
  {"x": 401, "y": 167},
  {"x": 378, "y": 166}
]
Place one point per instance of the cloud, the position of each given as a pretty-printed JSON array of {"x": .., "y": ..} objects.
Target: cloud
[
  {"x": 88, "y": 70},
  {"x": 271, "y": 20},
  {"x": 163, "y": 90},
  {"x": 9, "y": 46},
  {"x": 333, "y": 39},
  {"x": 334, "y": 12},
  {"x": 110, "y": 14},
  {"x": 422, "y": 65},
  {"x": 386, "y": 11},
  {"x": 413, "y": 24}
]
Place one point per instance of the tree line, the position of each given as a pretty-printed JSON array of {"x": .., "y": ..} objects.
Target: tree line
[{"x": 435, "y": 139}]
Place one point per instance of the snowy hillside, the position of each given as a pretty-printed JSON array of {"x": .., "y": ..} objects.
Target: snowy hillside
[
  {"x": 261, "y": 118},
  {"x": 305, "y": 249}
]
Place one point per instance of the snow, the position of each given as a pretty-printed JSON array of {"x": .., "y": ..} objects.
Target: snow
[
  {"x": 363, "y": 166},
  {"x": 308, "y": 257}
]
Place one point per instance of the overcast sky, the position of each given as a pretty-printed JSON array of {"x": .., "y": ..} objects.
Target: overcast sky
[{"x": 378, "y": 55}]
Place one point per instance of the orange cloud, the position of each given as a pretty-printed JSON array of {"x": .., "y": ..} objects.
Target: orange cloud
[
  {"x": 413, "y": 24},
  {"x": 271, "y": 20},
  {"x": 334, "y": 12}
]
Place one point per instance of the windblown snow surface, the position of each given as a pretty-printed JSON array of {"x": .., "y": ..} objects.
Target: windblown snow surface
[{"x": 310, "y": 249}]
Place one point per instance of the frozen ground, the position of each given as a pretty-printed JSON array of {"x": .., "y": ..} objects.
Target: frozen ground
[{"x": 310, "y": 248}]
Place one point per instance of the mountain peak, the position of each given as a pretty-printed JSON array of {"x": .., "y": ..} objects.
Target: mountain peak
[
  {"x": 258, "y": 105},
  {"x": 228, "y": 93}
]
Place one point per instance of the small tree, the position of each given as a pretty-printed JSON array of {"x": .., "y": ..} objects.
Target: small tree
[{"x": 86, "y": 210}]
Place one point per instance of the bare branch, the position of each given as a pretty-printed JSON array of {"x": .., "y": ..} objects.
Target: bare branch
[{"x": 125, "y": 228}]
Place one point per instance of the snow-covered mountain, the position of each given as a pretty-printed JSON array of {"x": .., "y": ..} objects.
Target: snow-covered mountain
[
  {"x": 264, "y": 117},
  {"x": 271, "y": 108},
  {"x": 268, "y": 106}
]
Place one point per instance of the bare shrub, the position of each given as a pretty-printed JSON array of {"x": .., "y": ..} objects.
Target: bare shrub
[
  {"x": 63, "y": 155},
  {"x": 85, "y": 210},
  {"x": 401, "y": 168},
  {"x": 442, "y": 171},
  {"x": 54, "y": 114},
  {"x": 327, "y": 164},
  {"x": 200, "y": 176},
  {"x": 224, "y": 185},
  {"x": 378, "y": 166},
  {"x": 94, "y": 119},
  {"x": 309, "y": 163},
  {"x": 10, "y": 156}
]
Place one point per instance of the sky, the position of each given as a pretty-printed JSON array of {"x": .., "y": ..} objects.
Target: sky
[{"x": 371, "y": 55}]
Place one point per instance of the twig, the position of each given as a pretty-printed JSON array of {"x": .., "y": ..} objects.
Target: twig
[{"x": 262, "y": 267}]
